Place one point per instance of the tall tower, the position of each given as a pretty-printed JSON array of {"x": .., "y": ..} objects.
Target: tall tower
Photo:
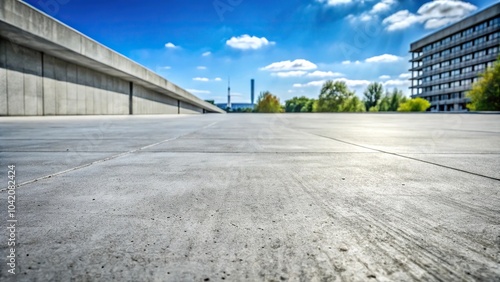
[
  {"x": 229, "y": 92},
  {"x": 252, "y": 90}
]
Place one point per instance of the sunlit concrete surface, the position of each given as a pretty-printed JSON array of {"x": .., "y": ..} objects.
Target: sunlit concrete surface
[{"x": 306, "y": 197}]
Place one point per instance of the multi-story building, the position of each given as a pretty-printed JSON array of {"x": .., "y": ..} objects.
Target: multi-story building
[{"x": 446, "y": 63}]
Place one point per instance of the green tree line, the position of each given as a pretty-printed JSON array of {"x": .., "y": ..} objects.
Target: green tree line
[{"x": 337, "y": 97}]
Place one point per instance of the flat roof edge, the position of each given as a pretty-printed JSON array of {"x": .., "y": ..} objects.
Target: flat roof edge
[{"x": 464, "y": 23}]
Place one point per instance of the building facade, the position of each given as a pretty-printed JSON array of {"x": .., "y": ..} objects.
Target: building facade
[{"x": 445, "y": 64}]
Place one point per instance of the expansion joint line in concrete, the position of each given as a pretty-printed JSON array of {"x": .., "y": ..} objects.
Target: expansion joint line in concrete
[
  {"x": 109, "y": 158},
  {"x": 407, "y": 157}
]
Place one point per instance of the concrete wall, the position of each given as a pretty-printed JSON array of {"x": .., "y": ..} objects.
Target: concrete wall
[
  {"x": 146, "y": 101},
  {"x": 60, "y": 71},
  {"x": 33, "y": 83},
  {"x": 186, "y": 108}
]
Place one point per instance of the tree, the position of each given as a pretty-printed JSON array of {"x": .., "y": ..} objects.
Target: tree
[
  {"x": 373, "y": 94},
  {"x": 414, "y": 105},
  {"x": 309, "y": 106},
  {"x": 332, "y": 96},
  {"x": 268, "y": 103},
  {"x": 391, "y": 101},
  {"x": 299, "y": 104},
  {"x": 353, "y": 105},
  {"x": 485, "y": 94}
]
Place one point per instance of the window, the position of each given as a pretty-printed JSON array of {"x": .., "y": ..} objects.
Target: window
[
  {"x": 445, "y": 86},
  {"x": 489, "y": 64},
  {"x": 465, "y": 82},
  {"x": 427, "y": 48},
  {"x": 455, "y": 49},
  {"x": 435, "y": 87},
  {"x": 455, "y": 36},
  {"x": 493, "y": 50},
  {"x": 455, "y": 84},
  {"x": 479, "y": 67},
  {"x": 479, "y": 40},
  {"x": 455, "y": 72},
  {"x": 445, "y": 52},
  {"x": 494, "y": 22},
  {"x": 435, "y": 66},
  {"x": 467, "y": 57},
  {"x": 435, "y": 77},
  {"x": 493, "y": 36},
  {"x": 455, "y": 61},
  {"x": 445, "y": 74},
  {"x": 467, "y": 70},
  {"x": 445, "y": 63},
  {"x": 480, "y": 54},
  {"x": 435, "y": 56},
  {"x": 467, "y": 31},
  {"x": 467, "y": 45},
  {"x": 446, "y": 40},
  {"x": 481, "y": 26}
]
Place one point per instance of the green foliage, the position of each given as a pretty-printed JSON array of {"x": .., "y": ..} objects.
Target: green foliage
[
  {"x": 485, "y": 94},
  {"x": 391, "y": 101},
  {"x": 414, "y": 105},
  {"x": 268, "y": 103},
  {"x": 373, "y": 94},
  {"x": 336, "y": 97},
  {"x": 299, "y": 104}
]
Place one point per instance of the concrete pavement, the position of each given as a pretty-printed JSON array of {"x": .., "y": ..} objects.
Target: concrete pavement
[{"x": 298, "y": 197}]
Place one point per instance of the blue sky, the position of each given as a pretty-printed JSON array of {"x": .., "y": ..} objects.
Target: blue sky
[{"x": 289, "y": 47}]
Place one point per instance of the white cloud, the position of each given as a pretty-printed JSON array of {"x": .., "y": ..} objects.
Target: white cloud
[
  {"x": 297, "y": 65},
  {"x": 201, "y": 67},
  {"x": 165, "y": 68},
  {"x": 384, "y": 77},
  {"x": 218, "y": 79},
  {"x": 246, "y": 42},
  {"x": 433, "y": 14},
  {"x": 170, "y": 45},
  {"x": 289, "y": 73},
  {"x": 204, "y": 79},
  {"x": 354, "y": 82},
  {"x": 317, "y": 83},
  {"x": 405, "y": 75},
  {"x": 385, "y": 58},
  {"x": 206, "y": 54},
  {"x": 401, "y": 20},
  {"x": 379, "y": 8},
  {"x": 397, "y": 83},
  {"x": 324, "y": 74},
  {"x": 196, "y": 91},
  {"x": 383, "y": 6},
  {"x": 349, "y": 62},
  {"x": 334, "y": 2}
]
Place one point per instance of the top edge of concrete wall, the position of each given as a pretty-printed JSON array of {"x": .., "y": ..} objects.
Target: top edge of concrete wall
[{"x": 25, "y": 25}]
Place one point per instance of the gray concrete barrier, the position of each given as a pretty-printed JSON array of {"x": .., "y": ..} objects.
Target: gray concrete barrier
[{"x": 48, "y": 68}]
